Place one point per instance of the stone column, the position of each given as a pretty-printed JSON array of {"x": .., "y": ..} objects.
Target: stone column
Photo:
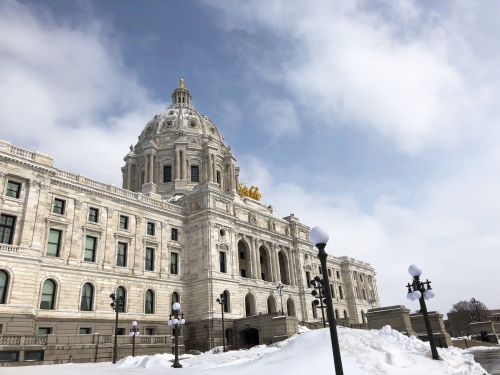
[
  {"x": 177, "y": 163},
  {"x": 209, "y": 169},
  {"x": 129, "y": 175},
  {"x": 146, "y": 173},
  {"x": 150, "y": 167},
  {"x": 214, "y": 169},
  {"x": 257, "y": 258}
]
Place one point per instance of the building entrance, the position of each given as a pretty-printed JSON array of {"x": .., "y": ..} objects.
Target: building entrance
[{"x": 249, "y": 337}]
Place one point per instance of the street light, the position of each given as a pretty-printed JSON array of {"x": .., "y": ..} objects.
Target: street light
[
  {"x": 319, "y": 237},
  {"x": 317, "y": 283},
  {"x": 133, "y": 333},
  {"x": 175, "y": 323},
  {"x": 422, "y": 291},
  {"x": 280, "y": 292},
  {"x": 222, "y": 302},
  {"x": 475, "y": 302},
  {"x": 117, "y": 305}
]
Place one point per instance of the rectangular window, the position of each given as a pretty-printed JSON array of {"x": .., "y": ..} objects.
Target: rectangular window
[
  {"x": 9, "y": 356},
  {"x": 120, "y": 331},
  {"x": 338, "y": 275},
  {"x": 174, "y": 263},
  {"x": 44, "y": 331},
  {"x": 195, "y": 173},
  {"x": 33, "y": 355},
  {"x": 175, "y": 234},
  {"x": 90, "y": 248},
  {"x": 123, "y": 222},
  {"x": 148, "y": 331},
  {"x": 218, "y": 177},
  {"x": 58, "y": 207},
  {"x": 93, "y": 215},
  {"x": 1, "y": 329},
  {"x": 341, "y": 295},
  {"x": 243, "y": 272},
  {"x": 54, "y": 244},
  {"x": 121, "y": 255},
  {"x": 167, "y": 173},
  {"x": 332, "y": 290},
  {"x": 329, "y": 272},
  {"x": 150, "y": 259},
  {"x": 7, "y": 224},
  {"x": 150, "y": 229},
  {"x": 361, "y": 278},
  {"x": 85, "y": 330},
  {"x": 13, "y": 189},
  {"x": 222, "y": 261}
]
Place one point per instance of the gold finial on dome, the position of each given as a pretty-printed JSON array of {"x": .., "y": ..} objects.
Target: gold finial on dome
[{"x": 181, "y": 84}]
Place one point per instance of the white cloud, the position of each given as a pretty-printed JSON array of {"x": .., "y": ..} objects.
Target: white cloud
[
  {"x": 451, "y": 233},
  {"x": 391, "y": 68},
  {"x": 67, "y": 92}
]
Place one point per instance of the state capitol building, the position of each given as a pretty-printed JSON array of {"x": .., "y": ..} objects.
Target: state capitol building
[{"x": 181, "y": 229}]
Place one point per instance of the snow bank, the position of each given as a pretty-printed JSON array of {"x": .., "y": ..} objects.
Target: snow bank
[{"x": 374, "y": 352}]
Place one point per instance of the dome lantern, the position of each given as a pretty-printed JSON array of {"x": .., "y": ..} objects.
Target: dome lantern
[{"x": 181, "y": 95}]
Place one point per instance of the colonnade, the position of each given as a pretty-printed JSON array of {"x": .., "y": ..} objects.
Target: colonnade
[{"x": 262, "y": 260}]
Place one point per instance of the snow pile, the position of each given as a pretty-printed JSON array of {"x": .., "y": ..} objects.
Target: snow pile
[{"x": 374, "y": 352}]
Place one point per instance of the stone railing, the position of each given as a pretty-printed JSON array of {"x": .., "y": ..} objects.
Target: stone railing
[
  {"x": 9, "y": 248},
  {"x": 10, "y": 340},
  {"x": 36, "y": 156},
  {"x": 35, "y": 340}
]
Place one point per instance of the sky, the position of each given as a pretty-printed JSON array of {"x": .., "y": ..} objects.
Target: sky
[{"x": 376, "y": 120}]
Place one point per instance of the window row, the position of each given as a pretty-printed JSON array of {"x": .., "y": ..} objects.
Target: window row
[
  {"x": 8, "y": 224},
  {"x": 49, "y": 295},
  {"x": 55, "y": 242},
  {"x": 195, "y": 174}
]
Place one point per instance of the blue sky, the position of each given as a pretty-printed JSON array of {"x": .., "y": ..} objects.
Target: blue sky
[{"x": 375, "y": 119}]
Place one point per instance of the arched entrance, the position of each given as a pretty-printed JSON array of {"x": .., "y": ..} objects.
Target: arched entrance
[
  {"x": 243, "y": 259},
  {"x": 249, "y": 337},
  {"x": 265, "y": 269},
  {"x": 283, "y": 263}
]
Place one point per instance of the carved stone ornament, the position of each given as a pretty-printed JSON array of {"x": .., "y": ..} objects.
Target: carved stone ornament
[
  {"x": 252, "y": 218},
  {"x": 138, "y": 219},
  {"x": 78, "y": 204}
]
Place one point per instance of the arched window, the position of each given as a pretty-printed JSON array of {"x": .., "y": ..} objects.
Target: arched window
[
  {"x": 265, "y": 269},
  {"x": 4, "y": 285},
  {"x": 149, "y": 303},
  {"x": 243, "y": 259},
  {"x": 175, "y": 298},
  {"x": 337, "y": 314},
  {"x": 121, "y": 293},
  {"x": 283, "y": 265},
  {"x": 290, "y": 307},
  {"x": 345, "y": 314},
  {"x": 87, "y": 302},
  {"x": 249, "y": 305},
  {"x": 315, "y": 312},
  {"x": 48, "y": 295},
  {"x": 226, "y": 301},
  {"x": 271, "y": 305}
]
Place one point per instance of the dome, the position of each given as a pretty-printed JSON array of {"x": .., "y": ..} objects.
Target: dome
[{"x": 178, "y": 149}]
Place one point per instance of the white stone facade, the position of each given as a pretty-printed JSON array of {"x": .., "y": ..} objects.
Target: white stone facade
[{"x": 180, "y": 198}]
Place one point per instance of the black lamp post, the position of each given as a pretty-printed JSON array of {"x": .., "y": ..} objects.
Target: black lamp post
[
  {"x": 475, "y": 302},
  {"x": 422, "y": 290},
  {"x": 280, "y": 292},
  {"x": 222, "y": 302},
  {"x": 117, "y": 305},
  {"x": 317, "y": 283},
  {"x": 175, "y": 323},
  {"x": 133, "y": 333},
  {"x": 319, "y": 238}
]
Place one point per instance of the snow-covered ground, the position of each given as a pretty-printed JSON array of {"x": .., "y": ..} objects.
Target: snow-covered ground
[{"x": 374, "y": 352}]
